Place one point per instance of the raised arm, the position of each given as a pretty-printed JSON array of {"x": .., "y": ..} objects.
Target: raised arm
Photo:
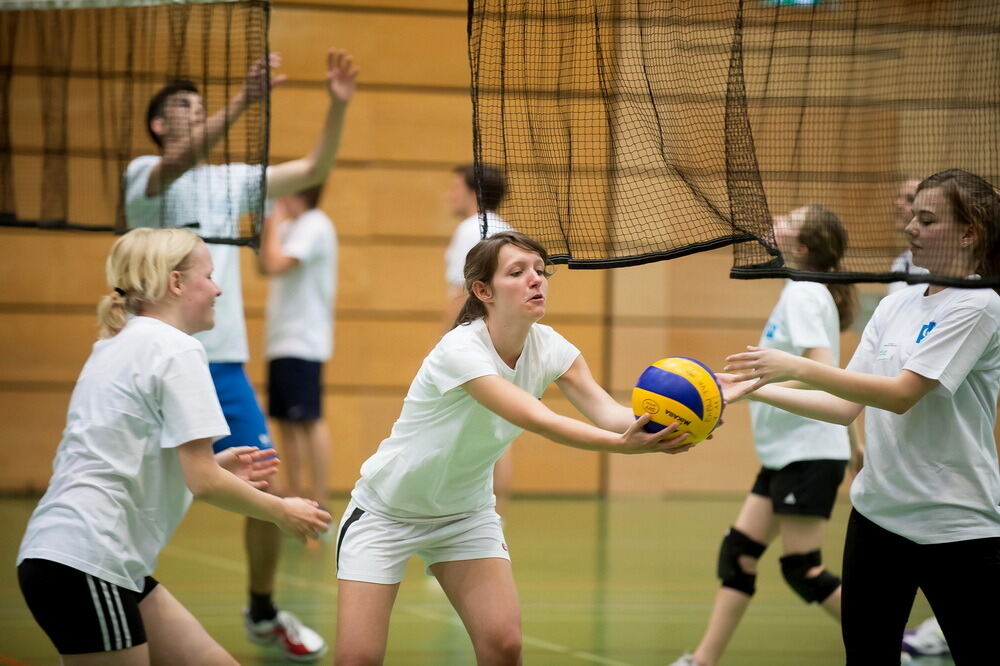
[
  {"x": 523, "y": 410},
  {"x": 295, "y": 175},
  {"x": 895, "y": 394},
  {"x": 211, "y": 483},
  {"x": 193, "y": 148}
]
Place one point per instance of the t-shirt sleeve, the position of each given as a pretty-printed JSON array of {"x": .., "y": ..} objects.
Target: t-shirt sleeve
[
  {"x": 451, "y": 365},
  {"x": 559, "y": 354},
  {"x": 954, "y": 345},
  {"x": 140, "y": 210},
  {"x": 188, "y": 401},
  {"x": 807, "y": 314}
]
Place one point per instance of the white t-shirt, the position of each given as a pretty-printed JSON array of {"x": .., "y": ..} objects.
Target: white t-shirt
[
  {"x": 300, "y": 302},
  {"x": 904, "y": 264},
  {"x": 117, "y": 491},
  {"x": 931, "y": 474},
  {"x": 437, "y": 462},
  {"x": 805, "y": 317},
  {"x": 464, "y": 238},
  {"x": 214, "y": 197}
]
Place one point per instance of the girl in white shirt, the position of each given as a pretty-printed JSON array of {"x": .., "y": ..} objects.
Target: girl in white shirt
[
  {"x": 137, "y": 445},
  {"x": 926, "y": 511},
  {"x": 427, "y": 490},
  {"x": 803, "y": 460}
]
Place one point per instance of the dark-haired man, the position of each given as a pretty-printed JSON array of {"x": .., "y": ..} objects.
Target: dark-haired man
[{"x": 179, "y": 188}]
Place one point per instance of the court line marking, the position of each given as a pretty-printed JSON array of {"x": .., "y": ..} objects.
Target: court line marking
[{"x": 235, "y": 566}]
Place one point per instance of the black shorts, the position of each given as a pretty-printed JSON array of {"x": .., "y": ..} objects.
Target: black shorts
[
  {"x": 79, "y": 612},
  {"x": 803, "y": 488},
  {"x": 294, "y": 389}
]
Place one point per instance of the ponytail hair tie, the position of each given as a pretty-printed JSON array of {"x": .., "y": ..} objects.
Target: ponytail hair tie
[{"x": 120, "y": 292}]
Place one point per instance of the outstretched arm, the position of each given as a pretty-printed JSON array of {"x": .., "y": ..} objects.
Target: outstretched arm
[
  {"x": 210, "y": 483},
  {"x": 895, "y": 394},
  {"x": 186, "y": 152},
  {"x": 523, "y": 410},
  {"x": 296, "y": 175},
  {"x": 580, "y": 387}
]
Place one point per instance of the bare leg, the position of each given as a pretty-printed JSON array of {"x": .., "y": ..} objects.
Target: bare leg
[
  {"x": 804, "y": 534},
  {"x": 262, "y": 540},
  {"x": 363, "y": 611},
  {"x": 318, "y": 447},
  {"x": 292, "y": 453},
  {"x": 175, "y": 637},
  {"x": 503, "y": 480},
  {"x": 756, "y": 520},
  {"x": 484, "y": 594}
]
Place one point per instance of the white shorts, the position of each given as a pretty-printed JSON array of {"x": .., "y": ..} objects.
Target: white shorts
[{"x": 375, "y": 549}]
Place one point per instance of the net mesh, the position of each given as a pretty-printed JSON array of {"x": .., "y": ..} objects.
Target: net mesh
[
  {"x": 630, "y": 131},
  {"x": 75, "y": 81}
]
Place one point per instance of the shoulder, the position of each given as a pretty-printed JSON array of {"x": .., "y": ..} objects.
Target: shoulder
[
  {"x": 546, "y": 335},
  {"x": 159, "y": 337},
  {"x": 141, "y": 165},
  {"x": 985, "y": 300}
]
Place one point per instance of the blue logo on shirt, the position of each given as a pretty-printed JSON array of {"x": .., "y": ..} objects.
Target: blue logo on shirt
[
  {"x": 925, "y": 329},
  {"x": 770, "y": 331}
]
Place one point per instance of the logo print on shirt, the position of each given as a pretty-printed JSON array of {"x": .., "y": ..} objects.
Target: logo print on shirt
[
  {"x": 925, "y": 329},
  {"x": 790, "y": 498},
  {"x": 770, "y": 331}
]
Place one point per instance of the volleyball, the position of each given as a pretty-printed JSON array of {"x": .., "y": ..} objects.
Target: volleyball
[{"x": 679, "y": 389}]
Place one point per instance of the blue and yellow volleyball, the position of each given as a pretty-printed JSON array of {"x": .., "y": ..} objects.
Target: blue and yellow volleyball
[{"x": 679, "y": 389}]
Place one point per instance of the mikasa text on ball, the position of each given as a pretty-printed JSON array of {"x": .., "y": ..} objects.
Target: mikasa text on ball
[{"x": 679, "y": 389}]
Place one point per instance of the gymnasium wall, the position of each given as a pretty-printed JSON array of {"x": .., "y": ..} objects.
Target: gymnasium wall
[{"x": 409, "y": 125}]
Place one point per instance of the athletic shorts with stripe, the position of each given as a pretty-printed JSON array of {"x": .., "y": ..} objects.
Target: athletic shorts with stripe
[
  {"x": 79, "y": 612},
  {"x": 375, "y": 549}
]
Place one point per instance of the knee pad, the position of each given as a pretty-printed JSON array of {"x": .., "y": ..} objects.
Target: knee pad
[
  {"x": 812, "y": 589},
  {"x": 734, "y": 545}
]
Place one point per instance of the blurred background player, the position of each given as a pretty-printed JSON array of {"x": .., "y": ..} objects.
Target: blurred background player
[
  {"x": 137, "y": 446},
  {"x": 179, "y": 188},
  {"x": 298, "y": 249},
  {"x": 803, "y": 460},
  {"x": 464, "y": 204},
  {"x": 902, "y": 211}
]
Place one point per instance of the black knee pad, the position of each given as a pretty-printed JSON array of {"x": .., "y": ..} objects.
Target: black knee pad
[
  {"x": 811, "y": 589},
  {"x": 734, "y": 545}
]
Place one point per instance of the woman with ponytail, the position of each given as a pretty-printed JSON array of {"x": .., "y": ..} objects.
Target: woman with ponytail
[
  {"x": 427, "y": 490},
  {"x": 927, "y": 502},
  {"x": 803, "y": 460},
  {"x": 136, "y": 448}
]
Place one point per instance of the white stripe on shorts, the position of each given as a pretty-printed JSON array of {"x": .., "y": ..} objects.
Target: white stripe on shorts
[
  {"x": 121, "y": 614},
  {"x": 100, "y": 613},
  {"x": 111, "y": 613}
]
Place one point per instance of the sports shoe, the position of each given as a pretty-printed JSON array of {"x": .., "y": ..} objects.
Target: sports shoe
[
  {"x": 686, "y": 660},
  {"x": 926, "y": 639},
  {"x": 299, "y": 642}
]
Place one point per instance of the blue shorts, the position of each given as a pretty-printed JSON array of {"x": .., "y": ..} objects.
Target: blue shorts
[{"x": 247, "y": 426}]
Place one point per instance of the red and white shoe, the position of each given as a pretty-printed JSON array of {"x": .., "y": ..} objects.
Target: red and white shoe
[{"x": 297, "y": 641}]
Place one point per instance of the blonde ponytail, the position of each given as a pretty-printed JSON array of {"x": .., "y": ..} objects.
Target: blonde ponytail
[{"x": 138, "y": 269}]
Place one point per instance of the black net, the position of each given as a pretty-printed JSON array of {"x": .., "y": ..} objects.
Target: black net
[
  {"x": 631, "y": 131},
  {"x": 75, "y": 82}
]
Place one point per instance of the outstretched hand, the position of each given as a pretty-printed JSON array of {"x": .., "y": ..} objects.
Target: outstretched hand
[
  {"x": 766, "y": 365},
  {"x": 341, "y": 75},
  {"x": 668, "y": 440},
  {"x": 261, "y": 77},
  {"x": 303, "y": 518},
  {"x": 253, "y": 465},
  {"x": 733, "y": 388}
]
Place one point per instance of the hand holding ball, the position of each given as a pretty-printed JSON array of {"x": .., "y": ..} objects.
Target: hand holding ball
[{"x": 679, "y": 389}]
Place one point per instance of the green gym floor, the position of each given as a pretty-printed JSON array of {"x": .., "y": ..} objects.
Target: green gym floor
[{"x": 619, "y": 582}]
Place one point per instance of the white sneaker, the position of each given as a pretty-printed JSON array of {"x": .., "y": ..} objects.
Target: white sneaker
[
  {"x": 297, "y": 641},
  {"x": 685, "y": 660},
  {"x": 926, "y": 639}
]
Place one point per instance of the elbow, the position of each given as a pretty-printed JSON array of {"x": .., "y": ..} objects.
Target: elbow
[{"x": 202, "y": 487}]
